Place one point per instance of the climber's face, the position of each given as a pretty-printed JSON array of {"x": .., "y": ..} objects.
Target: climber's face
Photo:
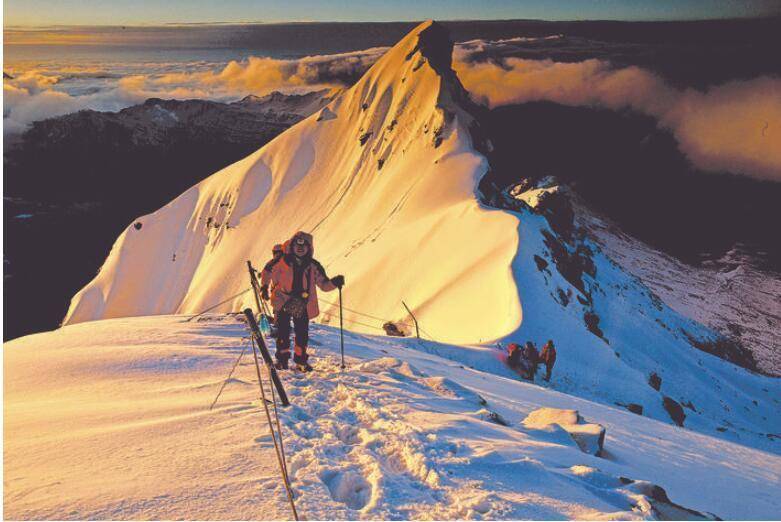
[{"x": 300, "y": 247}]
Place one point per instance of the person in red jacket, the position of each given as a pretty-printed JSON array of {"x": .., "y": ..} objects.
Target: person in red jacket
[
  {"x": 514, "y": 356},
  {"x": 265, "y": 275},
  {"x": 294, "y": 281},
  {"x": 548, "y": 356},
  {"x": 532, "y": 359}
]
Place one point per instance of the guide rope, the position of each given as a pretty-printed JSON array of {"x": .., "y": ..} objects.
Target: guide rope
[
  {"x": 225, "y": 382},
  {"x": 218, "y": 304},
  {"x": 265, "y": 310}
]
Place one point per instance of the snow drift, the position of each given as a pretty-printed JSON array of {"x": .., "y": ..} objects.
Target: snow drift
[{"x": 386, "y": 177}]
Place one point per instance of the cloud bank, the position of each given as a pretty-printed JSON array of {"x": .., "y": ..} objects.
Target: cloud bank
[
  {"x": 734, "y": 127},
  {"x": 37, "y": 94}
]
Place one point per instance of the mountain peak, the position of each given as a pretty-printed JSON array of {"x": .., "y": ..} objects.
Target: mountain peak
[{"x": 434, "y": 44}]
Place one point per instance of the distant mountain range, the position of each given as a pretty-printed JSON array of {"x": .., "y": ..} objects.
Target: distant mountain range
[{"x": 94, "y": 171}]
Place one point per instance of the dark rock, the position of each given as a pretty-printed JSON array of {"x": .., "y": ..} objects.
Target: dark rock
[
  {"x": 655, "y": 381},
  {"x": 563, "y": 297},
  {"x": 674, "y": 410},
  {"x": 592, "y": 323},
  {"x": 393, "y": 330},
  {"x": 735, "y": 329},
  {"x": 731, "y": 350},
  {"x": 492, "y": 416},
  {"x": 635, "y": 408},
  {"x": 541, "y": 263},
  {"x": 584, "y": 255},
  {"x": 365, "y": 137},
  {"x": 568, "y": 265},
  {"x": 557, "y": 209}
]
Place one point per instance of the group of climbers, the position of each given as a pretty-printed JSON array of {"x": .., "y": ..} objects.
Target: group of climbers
[
  {"x": 289, "y": 281},
  {"x": 526, "y": 360}
]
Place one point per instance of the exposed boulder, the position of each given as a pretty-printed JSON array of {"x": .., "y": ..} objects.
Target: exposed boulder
[
  {"x": 674, "y": 410},
  {"x": 592, "y": 323},
  {"x": 632, "y": 407},
  {"x": 639, "y": 496},
  {"x": 589, "y": 437},
  {"x": 492, "y": 416},
  {"x": 660, "y": 504},
  {"x": 540, "y": 262},
  {"x": 393, "y": 330},
  {"x": 654, "y": 381}
]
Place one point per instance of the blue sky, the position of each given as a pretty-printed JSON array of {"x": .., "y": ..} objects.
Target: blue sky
[{"x": 132, "y": 12}]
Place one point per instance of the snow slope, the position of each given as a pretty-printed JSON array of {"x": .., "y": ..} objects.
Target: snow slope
[
  {"x": 386, "y": 177},
  {"x": 110, "y": 419},
  {"x": 730, "y": 295}
]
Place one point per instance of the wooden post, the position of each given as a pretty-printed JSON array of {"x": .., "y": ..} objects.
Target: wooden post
[{"x": 417, "y": 330}]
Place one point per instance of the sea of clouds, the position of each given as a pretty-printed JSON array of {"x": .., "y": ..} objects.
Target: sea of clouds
[{"x": 733, "y": 126}]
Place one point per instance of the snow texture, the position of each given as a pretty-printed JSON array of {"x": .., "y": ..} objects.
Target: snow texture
[{"x": 110, "y": 420}]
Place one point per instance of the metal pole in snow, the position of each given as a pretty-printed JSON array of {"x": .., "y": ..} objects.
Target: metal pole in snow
[
  {"x": 341, "y": 326},
  {"x": 417, "y": 329}
]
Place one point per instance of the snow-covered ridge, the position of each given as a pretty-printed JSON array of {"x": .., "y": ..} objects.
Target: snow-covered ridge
[{"x": 386, "y": 176}]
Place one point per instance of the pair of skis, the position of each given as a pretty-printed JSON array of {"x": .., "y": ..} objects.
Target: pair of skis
[{"x": 260, "y": 340}]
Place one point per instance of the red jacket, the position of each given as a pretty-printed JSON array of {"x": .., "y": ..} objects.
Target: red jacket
[
  {"x": 548, "y": 355},
  {"x": 281, "y": 278}
]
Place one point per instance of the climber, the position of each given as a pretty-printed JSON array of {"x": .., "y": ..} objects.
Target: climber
[
  {"x": 531, "y": 356},
  {"x": 294, "y": 280},
  {"x": 265, "y": 275},
  {"x": 548, "y": 356},
  {"x": 514, "y": 356}
]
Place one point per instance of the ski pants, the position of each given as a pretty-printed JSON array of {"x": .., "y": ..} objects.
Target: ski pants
[
  {"x": 548, "y": 370},
  {"x": 301, "y": 329}
]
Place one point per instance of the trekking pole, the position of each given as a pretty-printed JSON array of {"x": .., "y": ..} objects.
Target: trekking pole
[{"x": 341, "y": 326}]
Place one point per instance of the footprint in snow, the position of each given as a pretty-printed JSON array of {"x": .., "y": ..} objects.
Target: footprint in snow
[{"x": 348, "y": 487}]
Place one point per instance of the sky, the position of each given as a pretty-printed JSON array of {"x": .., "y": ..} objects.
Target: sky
[{"x": 149, "y": 12}]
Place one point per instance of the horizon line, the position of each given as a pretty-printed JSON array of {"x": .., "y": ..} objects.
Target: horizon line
[{"x": 302, "y": 22}]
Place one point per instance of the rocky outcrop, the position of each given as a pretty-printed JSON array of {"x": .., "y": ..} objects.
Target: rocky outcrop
[
  {"x": 589, "y": 437},
  {"x": 674, "y": 409}
]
